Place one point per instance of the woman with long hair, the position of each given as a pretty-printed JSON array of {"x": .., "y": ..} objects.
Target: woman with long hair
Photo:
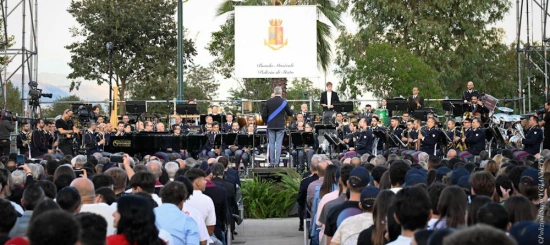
[
  {"x": 520, "y": 209},
  {"x": 452, "y": 206},
  {"x": 135, "y": 223},
  {"x": 329, "y": 182},
  {"x": 476, "y": 203},
  {"x": 375, "y": 234}
]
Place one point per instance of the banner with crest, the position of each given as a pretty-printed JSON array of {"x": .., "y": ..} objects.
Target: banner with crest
[{"x": 276, "y": 41}]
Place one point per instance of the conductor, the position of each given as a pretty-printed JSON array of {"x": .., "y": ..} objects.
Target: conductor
[
  {"x": 328, "y": 98},
  {"x": 274, "y": 114}
]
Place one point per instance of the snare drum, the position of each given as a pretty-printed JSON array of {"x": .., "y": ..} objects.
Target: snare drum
[{"x": 241, "y": 119}]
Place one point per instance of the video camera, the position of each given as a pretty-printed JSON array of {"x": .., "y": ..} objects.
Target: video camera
[
  {"x": 35, "y": 94},
  {"x": 7, "y": 115}
]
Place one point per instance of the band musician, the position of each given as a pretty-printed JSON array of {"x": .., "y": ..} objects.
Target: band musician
[
  {"x": 467, "y": 95},
  {"x": 235, "y": 149},
  {"x": 364, "y": 141},
  {"x": 23, "y": 139},
  {"x": 91, "y": 140},
  {"x": 210, "y": 149},
  {"x": 533, "y": 138},
  {"x": 475, "y": 138},
  {"x": 429, "y": 138},
  {"x": 452, "y": 132},
  {"x": 305, "y": 113},
  {"x": 477, "y": 108},
  {"x": 394, "y": 127},
  {"x": 415, "y": 101},
  {"x": 228, "y": 124},
  {"x": 39, "y": 142},
  {"x": 328, "y": 98}
]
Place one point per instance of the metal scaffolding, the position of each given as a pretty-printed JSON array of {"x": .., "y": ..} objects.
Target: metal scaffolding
[
  {"x": 22, "y": 56},
  {"x": 531, "y": 44}
]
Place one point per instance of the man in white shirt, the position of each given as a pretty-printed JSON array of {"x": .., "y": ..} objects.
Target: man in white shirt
[
  {"x": 86, "y": 190},
  {"x": 328, "y": 98},
  {"x": 348, "y": 231},
  {"x": 412, "y": 210},
  {"x": 194, "y": 213},
  {"x": 200, "y": 201}
]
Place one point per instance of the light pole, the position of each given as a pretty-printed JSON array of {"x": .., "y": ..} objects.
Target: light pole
[
  {"x": 180, "y": 51},
  {"x": 110, "y": 49}
]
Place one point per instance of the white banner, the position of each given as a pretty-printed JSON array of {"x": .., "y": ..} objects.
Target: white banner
[{"x": 276, "y": 41}]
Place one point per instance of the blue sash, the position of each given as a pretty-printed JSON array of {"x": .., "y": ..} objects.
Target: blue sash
[{"x": 277, "y": 111}]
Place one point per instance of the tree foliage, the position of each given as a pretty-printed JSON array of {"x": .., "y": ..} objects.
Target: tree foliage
[
  {"x": 454, "y": 37},
  {"x": 388, "y": 71},
  {"x": 145, "y": 37},
  {"x": 58, "y": 106},
  {"x": 298, "y": 90},
  {"x": 13, "y": 98}
]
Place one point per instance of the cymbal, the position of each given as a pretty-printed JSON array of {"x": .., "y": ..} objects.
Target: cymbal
[{"x": 506, "y": 109}]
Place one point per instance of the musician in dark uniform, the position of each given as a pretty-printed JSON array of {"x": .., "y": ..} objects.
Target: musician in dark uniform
[
  {"x": 228, "y": 124},
  {"x": 430, "y": 137},
  {"x": 349, "y": 137},
  {"x": 90, "y": 140},
  {"x": 394, "y": 127},
  {"x": 208, "y": 120},
  {"x": 210, "y": 149},
  {"x": 467, "y": 95},
  {"x": 179, "y": 123},
  {"x": 375, "y": 122},
  {"x": 475, "y": 138},
  {"x": 274, "y": 114},
  {"x": 39, "y": 142},
  {"x": 368, "y": 113},
  {"x": 66, "y": 130},
  {"x": 23, "y": 140},
  {"x": 365, "y": 138},
  {"x": 299, "y": 119},
  {"x": 328, "y": 98},
  {"x": 533, "y": 138},
  {"x": 305, "y": 113},
  {"x": 477, "y": 107},
  {"x": 452, "y": 132},
  {"x": 415, "y": 101},
  {"x": 307, "y": 150},
  {"x": 235, "y": 149}
]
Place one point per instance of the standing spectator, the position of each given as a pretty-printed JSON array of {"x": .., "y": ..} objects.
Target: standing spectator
[
  {"x": 69, "y": 200},
  {"x": 54, "y": 227},
  {"x": 193, "y": 212},
  {"x": 219, "y": 197},
  {"x": 120, "y": 179},
  {"x": 144, "y": 181},
  {"x": 94, "y": 227},
  {"x": 86, "y": 190},
  {"x": 9, "y": 216},
  {"x": 32, "y": 196},
  {"x": 135, "y": 222},
  {"x": 169, "y": 216}
]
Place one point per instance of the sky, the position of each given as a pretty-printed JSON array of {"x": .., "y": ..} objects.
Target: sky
[{"x": 200, "y": 20}]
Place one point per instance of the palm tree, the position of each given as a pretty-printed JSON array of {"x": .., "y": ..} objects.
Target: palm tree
[{"x": 326, "y": 10}]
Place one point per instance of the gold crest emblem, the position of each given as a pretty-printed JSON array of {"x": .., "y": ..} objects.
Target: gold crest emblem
[{"x": 275, "y": 35}]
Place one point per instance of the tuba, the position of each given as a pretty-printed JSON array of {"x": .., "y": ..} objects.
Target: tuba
[{"x": 517, "y": 135}]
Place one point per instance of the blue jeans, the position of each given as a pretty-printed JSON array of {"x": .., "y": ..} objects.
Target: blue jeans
[{"x": 275, "y": 144}]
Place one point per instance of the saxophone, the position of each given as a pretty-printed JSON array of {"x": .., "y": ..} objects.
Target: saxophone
[
  {"x": 28, "y": 136},
  {"x": 461, "y": 146}
]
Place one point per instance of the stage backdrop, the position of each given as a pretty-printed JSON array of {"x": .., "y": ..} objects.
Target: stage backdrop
[{"x": 275, "y": 41}]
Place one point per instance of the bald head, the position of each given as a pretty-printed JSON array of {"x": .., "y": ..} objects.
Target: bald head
[
  {"x": 470, "y": 85},
  {"x": 155, "y": 168},
  {"x": 85, "y": 188}
]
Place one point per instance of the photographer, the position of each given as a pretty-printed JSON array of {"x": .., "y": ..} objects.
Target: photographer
[
  {"x": 6, "y": 127},
  {"x": 66, "y": 132}
]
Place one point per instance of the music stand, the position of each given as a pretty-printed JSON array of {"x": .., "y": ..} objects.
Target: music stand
[
  {"x": 230, "y": 138},
  {"x": 420, "y": 114},
  {"x": 343, "y": 106},
  {"x": 448, "y": 105},
  {"x": 397, "y": 104},
  {"x": 195, "y": 143},
  {"x": 186, "y": 109},
  {"x": 217, "y": 118},
  {"x": 297, "y": 140},
  {"x": 135, "y": 107}
]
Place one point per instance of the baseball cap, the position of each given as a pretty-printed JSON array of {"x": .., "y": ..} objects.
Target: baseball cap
[
  {"x": 464, "y": 182},
  {"x": 529, "y": 232},
  {"x": 442, "y": 171},
  {"x": 457, "y": 173},
  {"x": 368, "y": 196},
  {"x": 530, "y": 177},
  {"x": 206, "y": 168},
  {"x": 359, "y": 177},
  {"x": 413, "y": 179}
]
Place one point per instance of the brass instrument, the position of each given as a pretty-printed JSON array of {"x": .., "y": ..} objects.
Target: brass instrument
[
  {"x": 418, "y": 140},
  {"x": 345, "y": 121},
  {"x": 28, "y": 137},
  {"x": 461, "y": 146}
]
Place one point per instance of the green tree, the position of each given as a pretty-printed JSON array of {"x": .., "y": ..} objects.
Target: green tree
[
  {"x": 58, "y": 106},
  {"x": 144, "y": 33},
  {"x": 454, "y": 37},
  {"x": 199, "y": 84},
  {"x": 388, "y": 71},
  {"x": 222, "y": 46},
  {"x": 298, "y": 90},
  {"x": 13, "y": 98}
]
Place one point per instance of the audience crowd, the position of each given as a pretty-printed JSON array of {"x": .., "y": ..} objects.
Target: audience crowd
[
  {"x": 371, "y": 200},
  {"x": 93, "y": 201}
]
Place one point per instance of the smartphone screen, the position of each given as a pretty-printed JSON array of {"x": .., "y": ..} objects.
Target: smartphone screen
[{"x": 20, "y": 159}]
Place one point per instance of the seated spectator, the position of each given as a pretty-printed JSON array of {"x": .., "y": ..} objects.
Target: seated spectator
[
  {"x": 120, "y": 179},
  {"x": 105, "y": 195},
  {"x": 520, "y": 209},
  {"x": 170, "y": 218},
  {"x": 9, "y": 216},
  {"x": 483, "y": 183},
  {"x": 398, "y": 170},
  {"x": 495, "y": 215},
  {"x": 479, "y": 234},
  {"x": 44, "y": 207},
  {"x": 102, "y": 180},
  {"x": 201, "y": 201},
  {"x": 193, "y": 212},
  {"x": 5, "y": 189},
  {"x": 144, "y": 181},
  {"x": 94, "y": 227},
  {"x": 476, "y": 203},
  {"x": 412, "y": 210},
  {"x": 375, "y": 234},
  {"x": 452, "y": 207},
  {"x": 50, "y": 190}
]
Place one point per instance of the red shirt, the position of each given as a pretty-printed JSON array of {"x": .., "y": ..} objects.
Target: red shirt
[{"x": 119, "y": 239}]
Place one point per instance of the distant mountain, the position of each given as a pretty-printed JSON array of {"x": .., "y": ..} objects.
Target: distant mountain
[{"x": 59, "y": 86}]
